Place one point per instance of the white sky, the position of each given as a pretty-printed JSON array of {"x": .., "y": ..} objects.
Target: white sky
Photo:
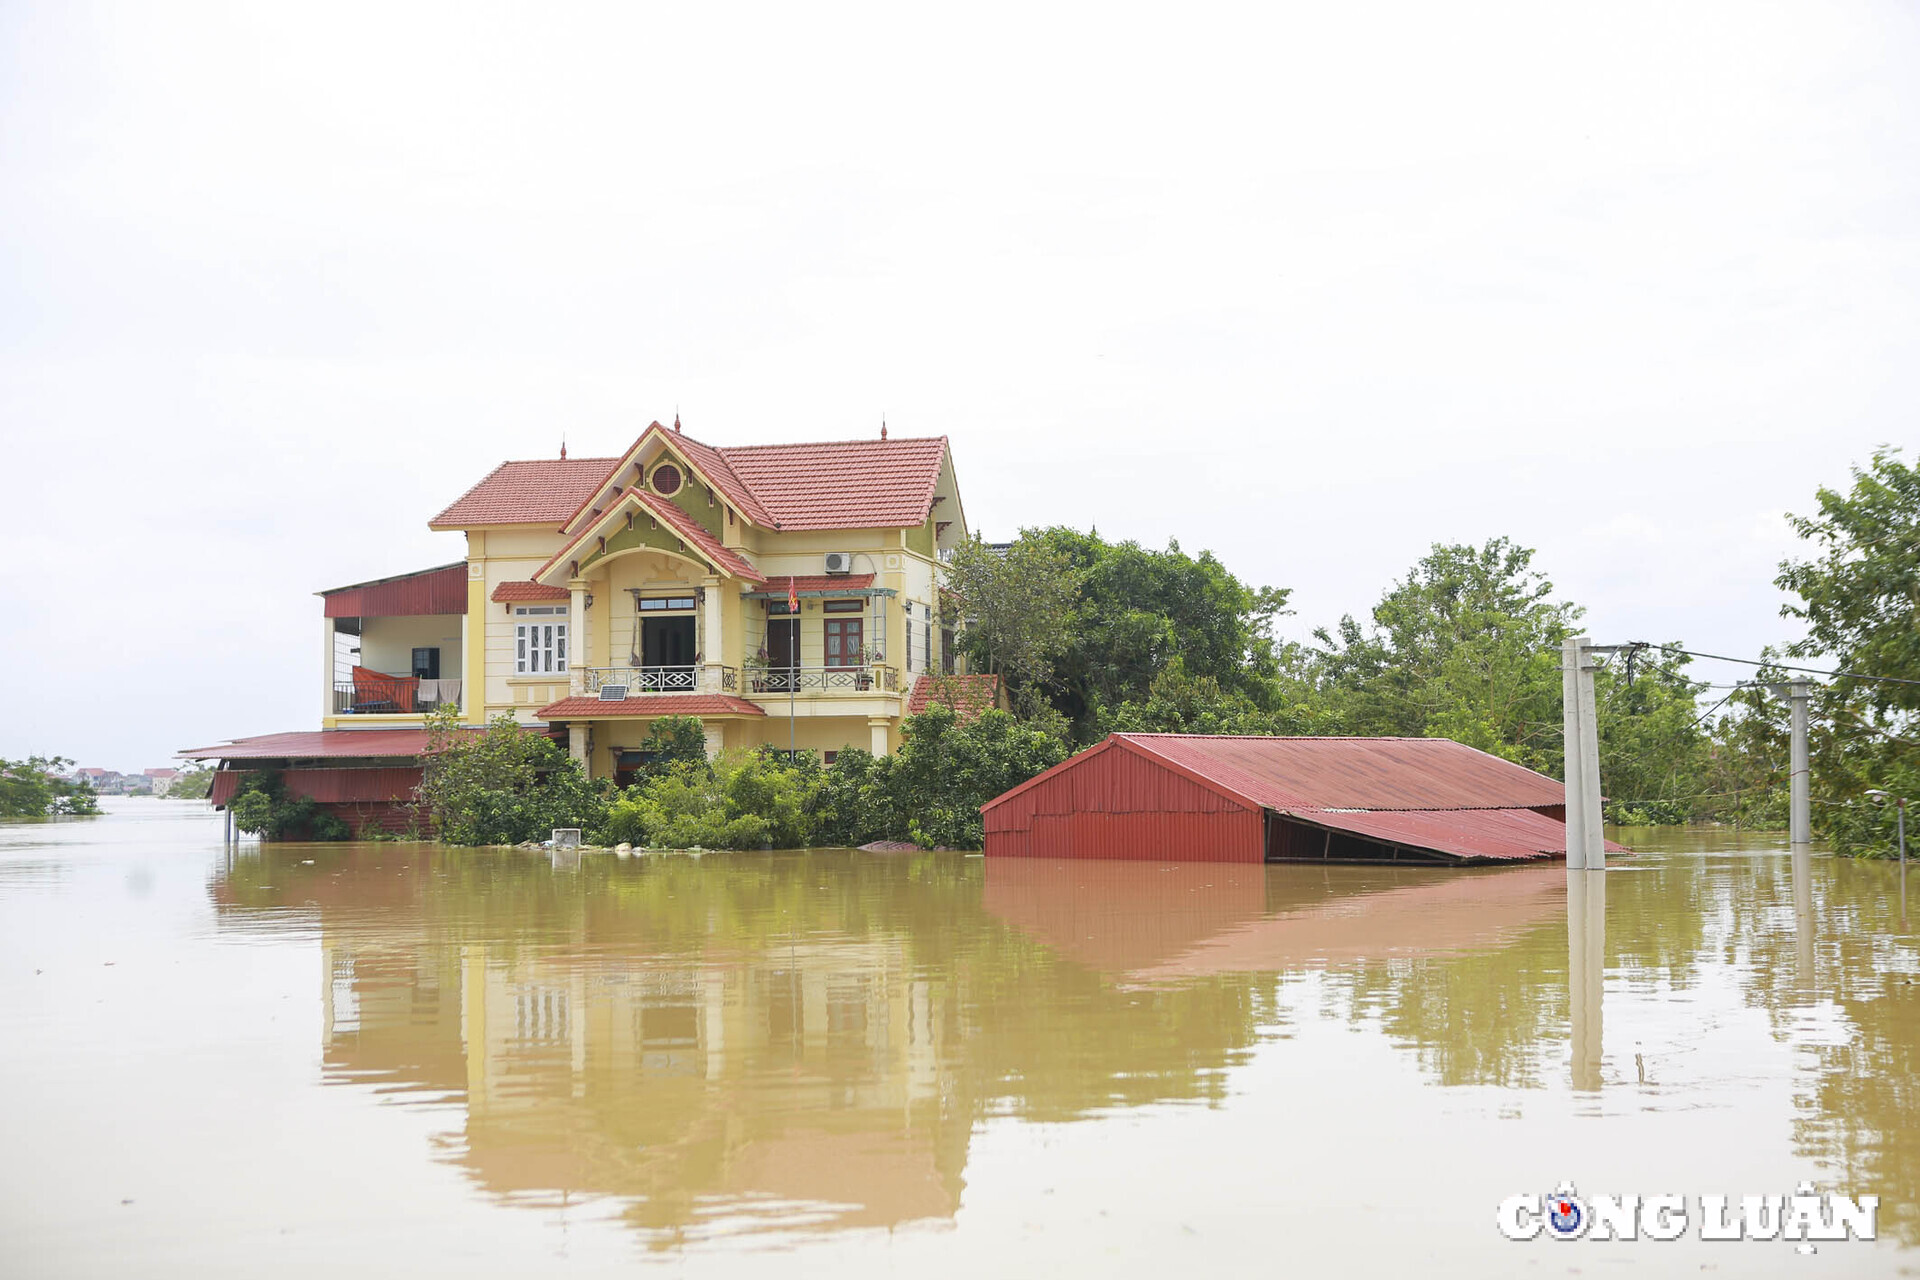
[{"x": 1312, "y": 286}]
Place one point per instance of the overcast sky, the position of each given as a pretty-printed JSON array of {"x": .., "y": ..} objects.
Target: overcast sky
[{"x": 1310, "y": 286}]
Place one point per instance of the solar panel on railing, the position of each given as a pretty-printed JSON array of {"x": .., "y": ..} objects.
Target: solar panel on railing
[{"x": 613, "y": 693}]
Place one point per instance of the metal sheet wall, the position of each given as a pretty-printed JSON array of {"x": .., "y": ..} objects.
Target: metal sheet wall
[
  {"x": 432, "y": 591},
  {"x": 1114, "y": 803},
  {"x": 348, "y": 786}
]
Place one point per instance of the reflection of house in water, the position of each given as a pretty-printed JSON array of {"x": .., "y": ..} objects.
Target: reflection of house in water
[
  {"x": 789, "y": 1041},
  {"x": 805, "y": 1076},
  {"x": 1152, "y": 923}
]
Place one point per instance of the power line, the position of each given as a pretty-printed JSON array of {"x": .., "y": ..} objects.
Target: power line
[{"x": 1749, "y": 662}]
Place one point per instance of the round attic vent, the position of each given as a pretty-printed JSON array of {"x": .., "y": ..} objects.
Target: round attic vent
[{"x": 666, "y": 480}]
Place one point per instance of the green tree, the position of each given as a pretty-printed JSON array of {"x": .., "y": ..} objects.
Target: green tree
[
  {"x": 674, "y": 740},
  {"x": 1141, "y": 611},
  {"x": 948, "y": 767},
  {"x": 1179, "y": 703},
  {"x": 1859, "y": 595},
  {"x": 504, "y": 785},
  {"x": 1465, "y": 647},
  {"x": 192, "y": 784},
  {"x": 38, "y": 788},
  {"x": 1020, "y": 607}
]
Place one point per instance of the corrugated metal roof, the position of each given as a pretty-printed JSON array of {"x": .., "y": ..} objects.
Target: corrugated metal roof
[
  {"x": 1500, "y": 834},
  {"x": 321, "y": 744},
  {"x": 439, "y": 590},
  {"x": 1354, "y": 773}
]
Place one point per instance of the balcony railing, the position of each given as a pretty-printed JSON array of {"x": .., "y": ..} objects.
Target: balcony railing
[
  {"x": 383, "y": 694},
  {"x": 644, "y": 680},
  {"x": 863, "y": 679}
]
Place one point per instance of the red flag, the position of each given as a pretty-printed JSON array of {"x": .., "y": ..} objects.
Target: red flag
[{"x": 793, "y": 598}]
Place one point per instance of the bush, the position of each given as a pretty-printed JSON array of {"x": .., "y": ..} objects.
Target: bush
[
  {"x": 262, "y": 807},
  {"x": 506, "y": 785},
  {"x": 742, "y": 800}
]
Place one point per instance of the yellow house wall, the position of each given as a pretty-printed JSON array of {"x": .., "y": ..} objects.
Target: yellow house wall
[{"x": 387, "y": 644}]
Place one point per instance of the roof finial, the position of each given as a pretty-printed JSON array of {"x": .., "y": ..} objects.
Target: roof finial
[
  {"x": 883, "y": 426},
  {"x": 563, "y": 448},
  {"x": 676, "y": 420}
]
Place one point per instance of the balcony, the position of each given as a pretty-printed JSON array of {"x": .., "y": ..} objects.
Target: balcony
[
  {"x": 378, "y": 693},
  {"x": 640, "y": 681},
  {"x": 784, "y": 680}
]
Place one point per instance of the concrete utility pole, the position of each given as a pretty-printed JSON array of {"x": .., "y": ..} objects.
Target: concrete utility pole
[
  {"x": 1586, "y": 845},
  {"x": 1800, "y": 819}
]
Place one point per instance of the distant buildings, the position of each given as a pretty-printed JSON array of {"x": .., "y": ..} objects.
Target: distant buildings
[{"x": 111, "y": 782}]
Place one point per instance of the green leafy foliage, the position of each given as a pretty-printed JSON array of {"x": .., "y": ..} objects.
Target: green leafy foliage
[
  {"x": 741, "y": 800},
  {"x": 192, "y": 784},
  {"x": 504, "y": 785},
  {"x": 1859, "y": 595},
  {"x": 37, "y": 788},
  {"x": 262, "y": 807},
  {"x": 948, "y": 767}
]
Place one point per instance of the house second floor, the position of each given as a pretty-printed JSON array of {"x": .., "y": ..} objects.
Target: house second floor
[{"x": 798, "y": 580}]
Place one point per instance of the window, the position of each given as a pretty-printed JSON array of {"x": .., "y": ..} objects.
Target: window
[
  {"x": 666, "y": 480},
  {"x": 539, "y": 640},
  {"x": 655, "y": 604},
  {"x": 843, "y": 642},
  {"x": 926, "y": 637},
  {"x": 842, "y": 606}
]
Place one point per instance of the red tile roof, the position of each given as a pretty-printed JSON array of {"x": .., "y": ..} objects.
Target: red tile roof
[
  {"x": 544, "y": 491},
  {"x": 320, "y": 744},
  {"x": 849, "y": 484},
  {"x": 824, "y": 582},
  {"x": 713, "y": 463},
  {"x": 508, "y": 592},
  {"x": 853, "y": 484},
  {"x": 968, "y": 696},
  {"x": 649, "y": 706}
]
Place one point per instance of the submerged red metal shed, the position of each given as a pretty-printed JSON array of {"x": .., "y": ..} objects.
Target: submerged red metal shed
[{"x": 1194, "y": 798}]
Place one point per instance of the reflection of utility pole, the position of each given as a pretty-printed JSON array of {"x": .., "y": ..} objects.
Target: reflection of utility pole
[{"x": 1586, "y": 974}]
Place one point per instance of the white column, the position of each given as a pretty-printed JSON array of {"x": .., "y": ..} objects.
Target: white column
[
  {"x": 878, "y": 726},
  {"x": 577, "y": 745},
  {"x": 716, "y": 740},
  {"x": 326, "y": 666},
  {"x": 712, "y": 642},
  {"x": 577, "y": 659}
]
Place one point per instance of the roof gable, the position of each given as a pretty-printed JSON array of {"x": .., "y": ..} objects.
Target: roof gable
[
  {"x": 703, "y": 461},
  {"x": 633, "y": 502}
]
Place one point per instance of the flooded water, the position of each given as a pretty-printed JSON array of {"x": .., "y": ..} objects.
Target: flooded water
[{"x": 407, "y": 1059}]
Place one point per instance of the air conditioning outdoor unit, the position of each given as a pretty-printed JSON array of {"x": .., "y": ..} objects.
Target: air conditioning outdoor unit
[
  {"x": 613, "y": 693},
  {"x": 839, "y": 562}
]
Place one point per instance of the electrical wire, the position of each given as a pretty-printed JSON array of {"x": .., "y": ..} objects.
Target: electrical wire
[{"x": 1749, "y": 662}]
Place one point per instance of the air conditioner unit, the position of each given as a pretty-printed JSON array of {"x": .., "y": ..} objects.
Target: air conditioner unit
[
  {"x": 839, "y": 562},
  {"x": 613, "y": 693}
]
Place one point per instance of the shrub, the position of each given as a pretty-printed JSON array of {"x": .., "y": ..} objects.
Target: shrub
[{"x": 506, "y": 785}]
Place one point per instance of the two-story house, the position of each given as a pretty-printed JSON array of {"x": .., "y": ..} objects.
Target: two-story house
[{"x": 787, "y": 595}]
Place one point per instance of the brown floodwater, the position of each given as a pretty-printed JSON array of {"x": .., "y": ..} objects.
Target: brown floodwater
[{"x": 404, "y": 1059}]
